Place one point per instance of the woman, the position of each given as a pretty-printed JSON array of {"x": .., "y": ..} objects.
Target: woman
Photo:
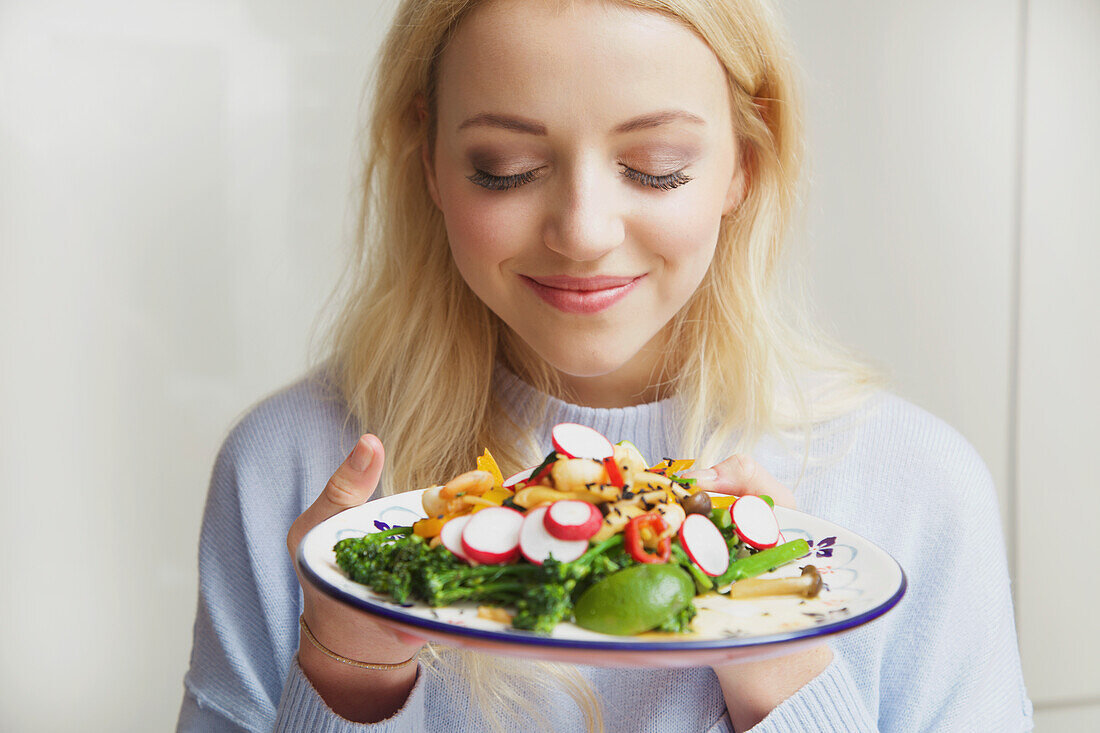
[{"x": 575, "y": 211}]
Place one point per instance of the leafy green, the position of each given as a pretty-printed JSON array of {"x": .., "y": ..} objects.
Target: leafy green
[{"x": 400, "y": 564}]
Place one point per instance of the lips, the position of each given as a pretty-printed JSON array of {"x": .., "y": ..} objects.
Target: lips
[
  {"x": 582, "y": 295},
  {"x": 601, "y": 282}
]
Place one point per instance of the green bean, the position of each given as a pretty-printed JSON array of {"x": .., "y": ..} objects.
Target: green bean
[
  {"x": 763, "y": 562},
  {"x": 703, "y": 582}
]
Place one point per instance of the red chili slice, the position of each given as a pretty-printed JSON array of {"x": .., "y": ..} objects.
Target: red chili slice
[
  {"x": 632, "y": 538},
  {"x": 614, "y": 475}
]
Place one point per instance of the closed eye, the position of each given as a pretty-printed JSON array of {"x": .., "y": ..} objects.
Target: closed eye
[{"x": 501, "y": 183}]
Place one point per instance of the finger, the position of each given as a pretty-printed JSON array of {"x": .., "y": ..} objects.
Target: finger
[
  {"x": 742, "y": 476},
  {"x": 352, "y": 484}
]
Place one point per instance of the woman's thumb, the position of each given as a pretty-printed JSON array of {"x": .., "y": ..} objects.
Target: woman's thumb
[
  {"x": 355, "y": 479},
  {"x": 352, "y": 484}
]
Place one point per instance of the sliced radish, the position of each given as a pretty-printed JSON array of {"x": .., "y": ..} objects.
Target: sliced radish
[
  {"x": 537, "y": 544},
  {"x": 515, "y": 478},
  {"x": 451, "y": 535},
  {"x": 704, "y": 544},
  {"x": 581, "y": 441},
  {"x": 492, "y": 535},
  {"x": 754, "y": 521},
  {"x": 572, "y": 520}
]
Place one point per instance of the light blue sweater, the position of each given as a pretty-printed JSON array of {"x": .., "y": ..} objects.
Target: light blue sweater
[{"x": 945, "y": 659}]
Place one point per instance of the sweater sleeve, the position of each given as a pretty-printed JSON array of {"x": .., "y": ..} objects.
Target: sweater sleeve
[
  {"x": 946, "y": 657},
  {"x": 244, "y": 674},
  {"x": 950, "y": 660},
  {"x": 829, "y": 702}
]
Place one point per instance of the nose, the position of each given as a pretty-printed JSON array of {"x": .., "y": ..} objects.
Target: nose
[{"x": 585, "y": 222}]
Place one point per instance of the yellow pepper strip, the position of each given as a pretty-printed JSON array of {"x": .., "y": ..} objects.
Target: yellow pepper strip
[
  {"x": 428, "y": 528},
  {"x": 680, "y": 465},
  {"x": 660, "y": 467},
  {"x": 497, "y": 495},
  {"x": 721, "y": 502},
  {"x": 486, "y": 462},
  {"x": 477, "y": 503}
]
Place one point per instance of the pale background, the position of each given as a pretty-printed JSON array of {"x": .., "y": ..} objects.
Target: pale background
[{"x": 175, "y": 184}]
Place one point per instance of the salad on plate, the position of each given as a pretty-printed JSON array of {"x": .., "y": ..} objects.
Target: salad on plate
[{"x": 592, "y": 535}]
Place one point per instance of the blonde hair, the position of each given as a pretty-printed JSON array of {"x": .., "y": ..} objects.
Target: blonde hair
[{"x": 412, "y": 349}]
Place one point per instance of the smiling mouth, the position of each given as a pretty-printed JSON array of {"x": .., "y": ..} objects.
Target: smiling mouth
[
  {"x": 582, "y": 295},
  {"x": 599, "y": 282}
]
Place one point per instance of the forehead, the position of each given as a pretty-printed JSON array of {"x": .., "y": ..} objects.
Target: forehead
[{"x": 586, "y": 65}]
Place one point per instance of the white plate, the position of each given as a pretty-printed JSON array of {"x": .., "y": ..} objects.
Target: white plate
[{"x": 862, "y": 582}]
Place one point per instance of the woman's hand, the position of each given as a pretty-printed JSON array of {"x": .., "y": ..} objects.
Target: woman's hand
[
  {"x": 742, "y": 476},
  {"x": 344, "y": 630},
  {"x": 754, "y": 689}
]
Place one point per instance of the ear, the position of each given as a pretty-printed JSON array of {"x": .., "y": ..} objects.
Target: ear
[{"x": 426, "y": 158}]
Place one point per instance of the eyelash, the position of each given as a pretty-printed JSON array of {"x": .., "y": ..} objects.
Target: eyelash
[{"x": 501, "y": 183}]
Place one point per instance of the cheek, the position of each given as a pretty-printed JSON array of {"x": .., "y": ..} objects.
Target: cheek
[
  {"x": 484, "y": 230},
  {"x": 683, "y": 234}
]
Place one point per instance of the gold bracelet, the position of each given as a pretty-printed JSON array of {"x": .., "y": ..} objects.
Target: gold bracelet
[{"x": 333, "y": 655}]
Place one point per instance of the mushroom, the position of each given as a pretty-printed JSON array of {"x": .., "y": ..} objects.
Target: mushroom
[
  {"x": 808, "y": 585},
  {"x": 697, "y": 503}
]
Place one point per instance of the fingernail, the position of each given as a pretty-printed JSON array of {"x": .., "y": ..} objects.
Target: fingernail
[
  {"x": 701, "y": 474},
  {"x": 360, "y": 455}
]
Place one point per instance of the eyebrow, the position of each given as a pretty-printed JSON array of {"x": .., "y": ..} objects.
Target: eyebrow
[{"x": 530, "y": 127}]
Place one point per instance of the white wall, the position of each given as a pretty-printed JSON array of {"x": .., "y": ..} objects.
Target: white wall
[{"x": 175, "y": 185}]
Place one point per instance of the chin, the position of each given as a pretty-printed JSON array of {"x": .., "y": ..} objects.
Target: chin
[{"x": 584, "y": 360}]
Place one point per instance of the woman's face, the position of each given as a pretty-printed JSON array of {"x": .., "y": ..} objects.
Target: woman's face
[{"x": 584, "y": 157}]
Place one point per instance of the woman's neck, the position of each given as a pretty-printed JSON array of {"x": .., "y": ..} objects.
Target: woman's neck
[
  {"x": 630, "y": 385},
  {"x": 640, "y": 380}
]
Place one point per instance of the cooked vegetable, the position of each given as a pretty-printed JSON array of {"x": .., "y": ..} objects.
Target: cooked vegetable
[
  {"x": 614, "y": 475},
  {"x": 763, "y": 562},
  {"x": 721, "y": 518},
  {"x": 807, "y": 585},
  {"x": 648, "y": 529},
  {"x": 636, "y": 599},
  {"x": 540, "y": 471},
  {"x": 428, "y": 528},
  {"x": 723, "y": 502},
  {"x": 697, "y": 503},
  {"x": 703, "y": 583},
  {"x": 486, "y": 462},
  {"x": 400, "y": 564}
]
